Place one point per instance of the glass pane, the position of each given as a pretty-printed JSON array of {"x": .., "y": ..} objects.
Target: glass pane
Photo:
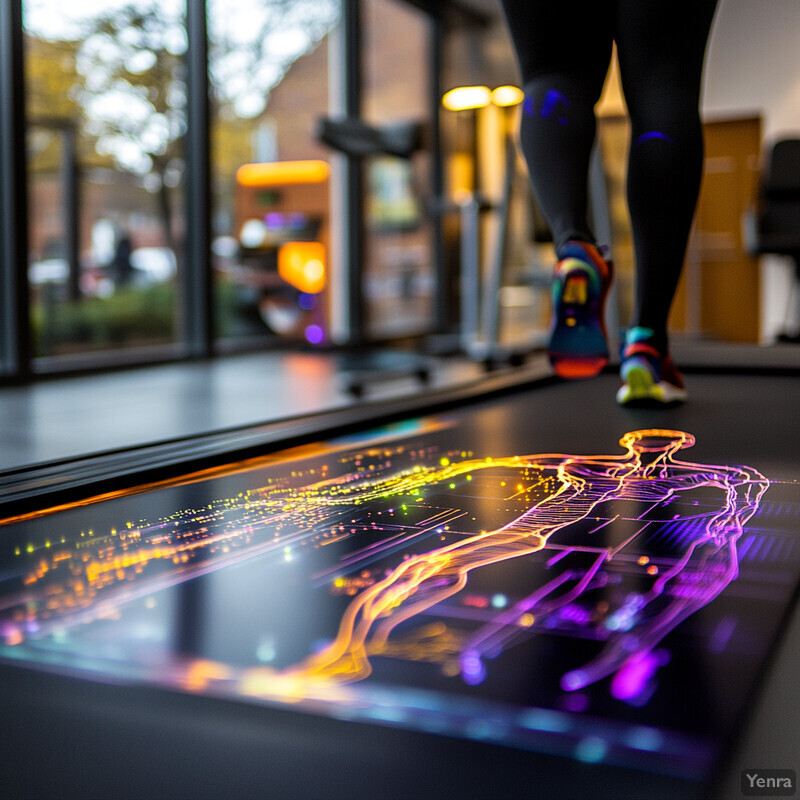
[
  {"x": 269, "y": 78},
  {"x": 106, "y": 95},
  {"x": 398, "y": 268}
]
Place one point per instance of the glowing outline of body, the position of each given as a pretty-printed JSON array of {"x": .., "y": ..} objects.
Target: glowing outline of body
[{"x": 648, "y": 467}]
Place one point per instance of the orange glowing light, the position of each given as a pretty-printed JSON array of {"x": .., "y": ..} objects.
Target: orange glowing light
[
  {"x": 202, "y": 672},
  {"x": 282, "y": 173},
  {"x": 14, "y": 637},
  {"x": 302, "y": 265}
]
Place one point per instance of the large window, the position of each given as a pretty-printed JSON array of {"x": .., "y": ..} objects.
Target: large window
[
  {"x": 175, "y": 197},
  {"x": 106, "y": 109},
  {"x": 270, "y": 176}
]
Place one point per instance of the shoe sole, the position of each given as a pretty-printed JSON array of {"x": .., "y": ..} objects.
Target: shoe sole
[
  {"x": 578, "y": 346},
  {"x": 640, "y": 389}
]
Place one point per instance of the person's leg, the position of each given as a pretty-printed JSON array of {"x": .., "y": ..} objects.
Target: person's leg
[
  {"x": 563, "y": 49},
  {"x": 661, "y": 46}
]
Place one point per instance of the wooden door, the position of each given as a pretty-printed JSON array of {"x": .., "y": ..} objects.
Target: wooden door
[{"x": 719, "y": 293}]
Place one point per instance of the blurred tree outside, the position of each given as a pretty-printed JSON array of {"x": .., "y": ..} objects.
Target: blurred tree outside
[
  {"x": 52, "y": 84},
  {"x": 118, "y": 78},
  {"x": 133, "y": 96},
  {"x": 251, "y": 48}
]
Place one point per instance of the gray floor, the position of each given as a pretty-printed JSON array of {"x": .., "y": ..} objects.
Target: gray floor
[{"x": 63, "y": 418}]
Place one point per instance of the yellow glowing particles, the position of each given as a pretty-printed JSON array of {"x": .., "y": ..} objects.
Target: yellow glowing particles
[
  {"x": 444, "y": 461},
  {"x": 352, "y": 584},
  {"x": 643, "y": 560},
  {"x": 526, "y": 620},
  {"x": 289, "y": 687}
]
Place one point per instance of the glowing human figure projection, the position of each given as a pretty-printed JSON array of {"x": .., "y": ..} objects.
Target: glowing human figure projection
[
  {"x": 647, "y": 474},
  {"x": 625, "y": 547}
]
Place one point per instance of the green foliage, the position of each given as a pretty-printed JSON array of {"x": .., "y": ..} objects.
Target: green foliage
[{"x": 130, "y": 316}]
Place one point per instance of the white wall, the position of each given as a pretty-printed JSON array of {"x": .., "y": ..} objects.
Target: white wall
[{"x": 753, "y": 67}]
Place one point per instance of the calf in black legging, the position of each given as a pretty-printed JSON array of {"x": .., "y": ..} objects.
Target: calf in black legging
[{"x": 563, "y": 49}]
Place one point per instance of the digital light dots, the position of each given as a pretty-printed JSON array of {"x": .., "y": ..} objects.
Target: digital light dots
[
  {"x": 554, "y": 492},
  {"x": 570, "y": 489}
]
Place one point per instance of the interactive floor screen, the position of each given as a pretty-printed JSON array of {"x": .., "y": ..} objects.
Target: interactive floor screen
[{"x": 613, "y": 606}]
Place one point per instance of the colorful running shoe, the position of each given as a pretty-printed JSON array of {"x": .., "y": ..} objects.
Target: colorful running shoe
[
  {"x": 578, "y": 346},
  {"x": 648, "y": 377}
]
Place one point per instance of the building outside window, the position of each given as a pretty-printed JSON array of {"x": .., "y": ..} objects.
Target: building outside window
[
  {"x": 269, "y": 70},
  {"x": 399, "y": 279}
]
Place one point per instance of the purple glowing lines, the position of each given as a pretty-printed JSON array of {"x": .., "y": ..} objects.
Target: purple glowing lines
[
  {"x": 629, "y": 625},
  {"x": 616, "y": 550},
  {"x": 632, "y": 682}
]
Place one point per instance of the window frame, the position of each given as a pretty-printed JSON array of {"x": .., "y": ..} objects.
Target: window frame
[{"x": 197, "y": 334}]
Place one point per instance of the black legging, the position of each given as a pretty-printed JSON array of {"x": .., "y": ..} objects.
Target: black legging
[{"x": 564, "y": 49}]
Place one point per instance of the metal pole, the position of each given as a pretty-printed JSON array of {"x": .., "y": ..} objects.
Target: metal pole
[
  {"x": 70, "y": 206},
  {"x": 15, "y": 311},
  {"x": 354, "y": 199},
  {"x": 444, "y": 313},
  {"x": 470, "y": 272},
  {"x": 196, "y": 278},
  {"x": 493, "y": 280}
]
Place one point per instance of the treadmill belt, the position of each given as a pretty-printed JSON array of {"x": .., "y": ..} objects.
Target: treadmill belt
[{"x": 455, "y": 573}]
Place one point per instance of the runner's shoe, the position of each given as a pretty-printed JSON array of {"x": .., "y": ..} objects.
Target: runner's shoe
[
  {"x": 578, "y": 346},
  {"x": 648, "y": 377}
]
